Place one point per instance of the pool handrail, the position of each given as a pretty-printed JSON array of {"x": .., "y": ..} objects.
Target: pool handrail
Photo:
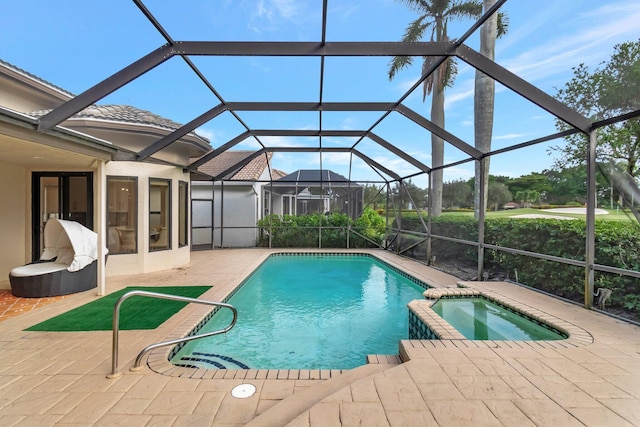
[{"x": 116, "y": 326}]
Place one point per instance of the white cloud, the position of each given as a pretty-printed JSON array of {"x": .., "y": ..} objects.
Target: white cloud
[
  {"x": 456, "y": 173},
  {"x": 330, "y": 159},
  {"x": 209, "y": 134},
  {"x": 349, "y": 123},
  {"x": 510, "y": 136},
  {"x": 460, "y": 92},
  {"x": 591, "y": 42},
  {"x": 272, "y": 15},
  {"x": 342, "y": 10}
]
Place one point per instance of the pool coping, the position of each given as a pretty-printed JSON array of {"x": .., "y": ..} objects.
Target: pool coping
[{"x": 158, "y": 359}]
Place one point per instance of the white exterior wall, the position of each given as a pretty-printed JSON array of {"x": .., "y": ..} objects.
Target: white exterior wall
[
  {"x": 27, "y": 151},
  {"x": 201, "y": 213},
  {"x": 144, "y": 261},
  {"x": 235, "y": 206},
  {"x": 276, "y": 203},
  {"x": 14, "y": 212}
]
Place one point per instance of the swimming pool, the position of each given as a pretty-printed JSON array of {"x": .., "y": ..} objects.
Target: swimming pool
[
  {"x": 309, "y": 311},
  {"x": 480, "y": 319}
]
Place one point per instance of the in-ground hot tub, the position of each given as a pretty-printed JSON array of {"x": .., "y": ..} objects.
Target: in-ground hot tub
[
  {"x": 471, "y": 314},
  {"x": 477, "y": 318}
]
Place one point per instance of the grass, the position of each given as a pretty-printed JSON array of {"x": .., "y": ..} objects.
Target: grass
[
  {"x": 137, "y": 312},
  {"x": 613, "y": 215}
]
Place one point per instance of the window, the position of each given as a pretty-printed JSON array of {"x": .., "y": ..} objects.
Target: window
[
  {"x": 122, "y": 203},
  {"x": 266, "y": 203},
  {"x": 159, "y": 214},
  {"x": 183, "y": 213}
]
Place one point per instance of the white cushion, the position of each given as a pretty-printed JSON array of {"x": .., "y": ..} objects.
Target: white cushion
[{"x": 37, "y": 269}]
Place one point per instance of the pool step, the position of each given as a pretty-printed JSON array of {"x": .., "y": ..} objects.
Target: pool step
[{"x": 384, "y": 359}]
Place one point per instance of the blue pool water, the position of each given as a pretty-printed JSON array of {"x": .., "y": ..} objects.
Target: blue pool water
[
  {"x": 480, "y": 319},
  {"x": 309, "y": 312}
]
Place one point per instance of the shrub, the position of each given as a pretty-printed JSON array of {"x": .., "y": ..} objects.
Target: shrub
[
  {"x": 303, "y": 231},
  {"x": 617, "y": 245}
]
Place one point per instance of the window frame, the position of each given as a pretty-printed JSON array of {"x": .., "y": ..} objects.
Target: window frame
[
  {"x": 169, "y": 205},
  {"x": 134, "y": 181},
  {"x": 183, "y": 214}
]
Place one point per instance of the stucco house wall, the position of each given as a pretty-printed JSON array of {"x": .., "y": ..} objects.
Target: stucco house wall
[
  {"x": 13, "y": 224},
  {"x": 145, "y": 261},
  {"x": 236, "y": 210},
  {"x": 236, "y": 204},
  {"x": 101, "y": 140}
]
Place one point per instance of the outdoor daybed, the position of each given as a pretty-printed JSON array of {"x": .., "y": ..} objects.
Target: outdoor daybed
[{"x": 67, "y": 264}]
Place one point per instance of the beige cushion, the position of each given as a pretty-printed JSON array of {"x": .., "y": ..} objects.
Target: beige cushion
[{"x": 65, "y": 256}]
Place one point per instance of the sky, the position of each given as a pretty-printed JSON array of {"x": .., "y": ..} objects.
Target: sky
[{"x": 75, "y": 44}]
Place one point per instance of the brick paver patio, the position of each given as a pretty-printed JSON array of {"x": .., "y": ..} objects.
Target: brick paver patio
[{"x": 60, "y": 378}]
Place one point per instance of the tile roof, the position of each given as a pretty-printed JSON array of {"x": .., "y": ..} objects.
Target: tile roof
[
  {"x": 34, "y": 77},
  {"x": 315, "y": 176},
  {"x": 124, "y": 114},
  {"x": 119, "y": 113},
  {"x": 250, "y": 172},
  {"x": 277, "y": 174}
]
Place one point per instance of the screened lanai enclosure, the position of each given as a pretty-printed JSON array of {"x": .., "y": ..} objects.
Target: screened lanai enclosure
[{"x": 531, "y": 177}]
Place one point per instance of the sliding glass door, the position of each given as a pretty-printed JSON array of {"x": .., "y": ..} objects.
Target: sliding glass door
[{"x": 62, "y": 195}]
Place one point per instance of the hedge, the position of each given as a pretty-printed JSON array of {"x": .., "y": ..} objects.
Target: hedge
[
  {"x": 303, "y": 231},
  {"x": 617, "y": 244}
]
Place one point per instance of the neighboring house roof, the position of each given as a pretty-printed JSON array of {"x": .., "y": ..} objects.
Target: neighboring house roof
[
  {"x": 300, "y": 181},
  {"x": 276, "y": 174},
  {"x": 315, "y": 177},
  {"x": 223, "y": 161}
]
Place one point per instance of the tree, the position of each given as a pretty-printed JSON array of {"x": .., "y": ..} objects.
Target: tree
[
  {"x": 434, "y": 16},
  {"x": 603, "y": 93},
  {"x": 373, "y": 196},
  {"x": 533, "y": 181},
  {"x": 456, "y": 194},
  {"x": 567, "y": 185},
  {"x": 416, "y": 195},
  {"x": 527, "y": 197},
  {"x": 483, "y": 101},
  {"x": 498, "y": 195}
]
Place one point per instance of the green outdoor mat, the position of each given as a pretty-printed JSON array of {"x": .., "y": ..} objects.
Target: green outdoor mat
[{"x": 137, "y": 312}]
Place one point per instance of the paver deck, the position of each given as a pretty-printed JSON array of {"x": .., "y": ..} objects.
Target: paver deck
[{"x": 60, "y": 378}]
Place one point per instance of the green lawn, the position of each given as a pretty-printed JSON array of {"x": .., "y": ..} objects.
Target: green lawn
[{"x": 613, "y": 215}]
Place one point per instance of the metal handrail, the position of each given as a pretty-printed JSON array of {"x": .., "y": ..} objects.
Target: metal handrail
[{"x": 116, "y": 326}]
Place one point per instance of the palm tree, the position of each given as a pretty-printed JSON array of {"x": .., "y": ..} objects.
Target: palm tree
[
  {"x": 434, "y": 16},
  {"x": 483, "y": 102}
]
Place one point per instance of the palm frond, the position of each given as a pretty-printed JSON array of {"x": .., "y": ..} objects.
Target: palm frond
[
  {"x": 503, "y": 24},
  {"x": 415, "y": 30},
  {"x": 420, "y": 6},
  {"x": 444, "y": 74},
  {"x": 468, "y": 9},
  {"x": 450, "y": 73},
  {"x": 413, "y": 33},
  {"x": 397, "y": 64}
]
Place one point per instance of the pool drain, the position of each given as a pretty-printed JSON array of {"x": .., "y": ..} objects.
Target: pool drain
[{"x": 243, "y": 391}]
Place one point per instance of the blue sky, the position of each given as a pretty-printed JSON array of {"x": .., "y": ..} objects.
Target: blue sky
[{"x": 77, "y": 43}]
